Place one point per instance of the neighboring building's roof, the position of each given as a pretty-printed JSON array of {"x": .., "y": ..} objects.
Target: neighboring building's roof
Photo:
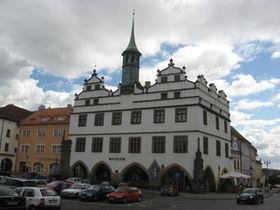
[
  {"x": 14, "y": 113},
  {"x": 237, "y": 135},
  {"x": 49, "y": 116}
]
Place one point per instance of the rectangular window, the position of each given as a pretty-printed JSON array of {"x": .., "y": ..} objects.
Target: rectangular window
[
  {"x": 8, "y": 134},
  {"x": 25, "y": 133},
  {"x": 6, "y": 147},
  {"x": 204, "y": 117},
  {"x": 226, "y": 150},
  {"x": 115, "y": 145},
  {"x": 205, "y": 145},
  {"x": 217, "y": 122},
  {"x": 97, "y": 144},
  {"x": 218, "y": 148},
  {"x": 41, "y": 133},
  {"x": 56, "y": 148},
  {"x": 97, "y": 87},
  {"x": 136, "y": 117},
  {"x": 159, "y": 116},
  {"x": 99, "y": 119},
  {"x": 87, "y": 102},
  {"x": 177, "y": 94},
  {"x": 177, "y": 78},
  {"x": 225, "y": 126},
  {"x": 116, "y": 118},
  {"x": 96, "y": 101},
  {"x": 181, "y": 115},
  {"x": 163, "y": 96},
  {"x": 58, "y": 133},
  {"x": 24, "y": 148},
  {"x": 163, "y": 79},
  {"x": 88, "y": 87},
  {"x": 158, "y": 144},
  {"x": 134, "y": 145},
  {"x": 40, "y": 148},
  {"x": 82, "y": 120},
  {"x": 80, "y": 144},
  {"x": 180, "y": 144}
]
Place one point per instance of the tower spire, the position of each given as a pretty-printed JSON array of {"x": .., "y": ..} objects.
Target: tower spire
[{"x": 132, "y": 44}]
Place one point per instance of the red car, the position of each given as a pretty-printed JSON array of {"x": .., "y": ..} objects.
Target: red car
[{"x": 124, "y": 195}]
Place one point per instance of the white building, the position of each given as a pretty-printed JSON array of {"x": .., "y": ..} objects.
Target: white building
[
  {"x": 10, "y": 116},
  {"x": 149, "y": 135}
]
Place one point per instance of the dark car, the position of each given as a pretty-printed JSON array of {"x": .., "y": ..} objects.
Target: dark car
[
  {"x": 16, "y": 182},
  {"x": 250, "y": 195},
  {"x": 57, "y": 186},
  {"x": 96, "y": 192},
  {"x": 171, "y": 190},
  {"x": 10, "y": 200}
]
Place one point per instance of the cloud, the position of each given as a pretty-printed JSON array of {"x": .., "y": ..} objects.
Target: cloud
[
  {"x": 275, "y": 55},
  {"x": 246, "y": 104}
]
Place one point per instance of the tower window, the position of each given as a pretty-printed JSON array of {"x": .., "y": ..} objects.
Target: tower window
[
  {"x": 97, "y": 87},
  {"x": 96, "y": 101},
  {"x": 177, "y": 78},
  {"x": 87, "y": 102},
  {"x": 163, "y": 79},
  {"x": 163, "y": 96},
  {"x": 88, "y": 87},
  {"x": 177, "y": 94}
]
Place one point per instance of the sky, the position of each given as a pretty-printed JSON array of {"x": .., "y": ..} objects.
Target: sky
[{"x": 47, "y": 49}]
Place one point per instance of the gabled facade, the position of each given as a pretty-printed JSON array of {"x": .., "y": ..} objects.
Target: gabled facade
[
  {"x": 10, "y": 117},
  {"x": 40, "y": 138},
  {"x": 148, "y": 135}
]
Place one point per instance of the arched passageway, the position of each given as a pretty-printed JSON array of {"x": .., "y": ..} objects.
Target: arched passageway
[
  {"x": 22, "y": 168},
  {"x": 209, "y": 180},
  {"x": 176, "y": 175},
  {"x": 6, "y": 165},
  {"x": 80, "y": 170},
  {"x": 38, "y": 168},
  {"x": 101, "y": 173},
  {"x": 136, "y": 175}
]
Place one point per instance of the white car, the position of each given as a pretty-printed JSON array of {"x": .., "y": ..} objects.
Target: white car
[
  {"x": 75, "y": 190},
  {"x": 40, "y": 198}
]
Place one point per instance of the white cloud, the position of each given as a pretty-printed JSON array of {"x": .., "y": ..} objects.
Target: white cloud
[
  {"x": 275, "y": 55},
  {"x": 246, "y": 104}
]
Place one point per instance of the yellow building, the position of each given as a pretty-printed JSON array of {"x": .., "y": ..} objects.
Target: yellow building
[{"x": 40, "y": 140}]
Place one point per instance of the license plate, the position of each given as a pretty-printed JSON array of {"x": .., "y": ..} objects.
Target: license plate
[
  {"x": 52, "y": 201},
  {"x": 12, "y": 203}
]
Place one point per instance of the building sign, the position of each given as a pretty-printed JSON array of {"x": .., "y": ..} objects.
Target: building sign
[
  {"x": 117, "y": 158},
  {"x": 48, "y": 159}
]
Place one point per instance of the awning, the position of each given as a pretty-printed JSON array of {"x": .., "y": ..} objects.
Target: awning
[{"x": 232, "y": 174}]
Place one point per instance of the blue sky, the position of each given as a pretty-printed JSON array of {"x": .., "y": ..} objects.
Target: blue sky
[{"x": 234, "y": 44}]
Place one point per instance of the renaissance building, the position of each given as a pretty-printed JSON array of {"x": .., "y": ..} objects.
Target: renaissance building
[{"x": 153, "y": 134}]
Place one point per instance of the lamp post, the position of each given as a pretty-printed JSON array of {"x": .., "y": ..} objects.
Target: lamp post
[
  {"x": 267, "y": 163},
  {"x": 251, "y": 175}
]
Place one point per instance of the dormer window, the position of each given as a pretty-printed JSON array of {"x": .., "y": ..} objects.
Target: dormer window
[
  {"x": 44, "y": 119},
  {"x": 59, "y": 118},
  {"x": 96, "y": 101},
  {"x": 87, "y": 102},
  {"x": 97, "y": 87},
  {"x": 177, "y": 78},
  {"x": 163, "y": 79},
  {"x": 88, "y": 87},
  {"x": 177, "y": 94},
  {"x": 163, "y": 96}
]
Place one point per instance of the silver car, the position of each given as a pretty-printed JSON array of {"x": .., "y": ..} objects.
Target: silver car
[{"x": 75, "y": 190}]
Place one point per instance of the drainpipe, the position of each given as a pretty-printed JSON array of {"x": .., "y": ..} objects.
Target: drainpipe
[{"x": 2, "y": 132}]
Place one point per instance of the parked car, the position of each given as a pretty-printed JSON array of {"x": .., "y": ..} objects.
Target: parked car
[
  {"x": 40, "y": 198},
  {"x": 74, "y": 190},
  {"x": 250, "y": 195},
  {"x": 74, "y": 179},
  {"x": 171, "y": 190},
  {"x": 96, "y": 192},
  {"x": 10, "y": 200},
  {"x": 17, "y": 182},
  {"x": 124, "y": 194},
  {"x": 57, "y": 186},
  {"x": 40, "y": 182}
]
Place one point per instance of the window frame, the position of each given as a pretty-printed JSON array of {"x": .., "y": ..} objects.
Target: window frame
[
  {"x": 134, "y": 144},
  {"x": 80, "y": 144},
  {"x": 158, "y": 144},
  {"x": 181, "y": 114},
  {"x": 180, "y": 144},
  {"x": 115, "y": 144},
  {"x": 82, "y": 122},
  {"x": 159, "y": 115},
  {"x": 116, "y": 118},
  {"x": 98, "y": 120},
  {"x": 135, "y": 117},
  {"x": 97, "y": 144}
]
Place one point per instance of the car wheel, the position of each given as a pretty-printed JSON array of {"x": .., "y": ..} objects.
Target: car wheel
[
  {"x": 124, "y": 200},
  {"x": 238, "y": 202},
  {"x": 32, "y": 207}
]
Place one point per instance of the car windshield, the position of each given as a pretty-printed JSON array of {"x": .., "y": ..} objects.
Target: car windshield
[
  {"x": 77, "y": 186},
  {"x": 7, "y": 192},
  {"x": 248, "y": 191},
  {"x": 122, "y": 189},
  {"x": 13, "y": 182},
  {"x": 94, "y": 187},
  {"x": 55, "y": 183},
  {"x": 47, "y": 192}
]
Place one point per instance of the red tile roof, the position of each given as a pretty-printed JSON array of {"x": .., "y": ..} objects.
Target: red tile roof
[{"x": 49, "y": 116}]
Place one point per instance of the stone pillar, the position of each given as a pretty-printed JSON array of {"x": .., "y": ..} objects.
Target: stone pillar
[
  {"x": 198, "y": 175},
  {"x": 65, "y": 158}
]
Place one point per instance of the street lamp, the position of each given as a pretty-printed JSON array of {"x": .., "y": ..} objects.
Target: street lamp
[{"x": 267, "y": 163}]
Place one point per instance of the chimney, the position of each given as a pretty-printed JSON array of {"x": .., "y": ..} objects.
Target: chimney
[
  {"x": 147, "y": 84},
  {"x": 41, "y": 107}
]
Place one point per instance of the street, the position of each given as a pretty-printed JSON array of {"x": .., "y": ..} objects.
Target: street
[{"x": 153, "y": 201}]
